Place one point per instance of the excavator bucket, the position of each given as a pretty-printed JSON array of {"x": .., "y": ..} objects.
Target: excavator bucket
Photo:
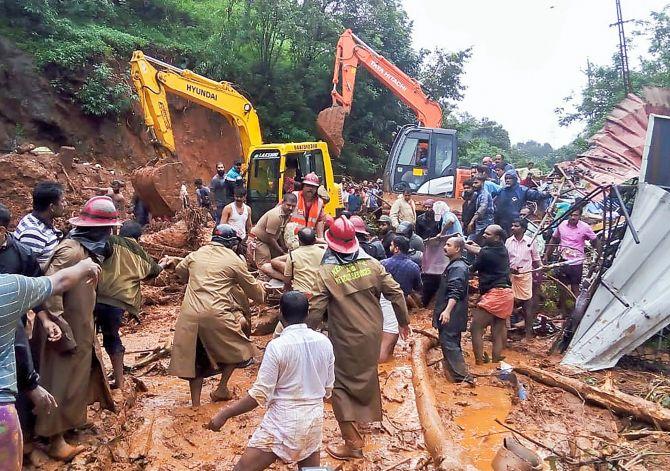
[
  {"x": 158, "y": 187},
  {"x": 329, "y": 125}
]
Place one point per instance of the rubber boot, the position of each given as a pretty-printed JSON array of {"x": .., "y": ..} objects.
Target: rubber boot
[{"x": 353, "y": 443}]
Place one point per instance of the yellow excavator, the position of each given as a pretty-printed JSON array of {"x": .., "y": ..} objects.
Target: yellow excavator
[{"x": 267, "y": 165}]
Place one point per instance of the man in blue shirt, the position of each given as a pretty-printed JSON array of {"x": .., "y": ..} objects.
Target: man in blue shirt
[
  {"x": 355, "y": 201},
  {"x": 490, "y": 186},
  {"x": 512, "y": 198},
  {"x": 18, "y": 294},
  {"x": 483, "y": 216},
  {"x": 408, "y": 275},
  {"x": 235, "y": 174}
]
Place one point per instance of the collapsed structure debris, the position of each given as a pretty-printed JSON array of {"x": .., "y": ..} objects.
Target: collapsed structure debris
[
  {"x": 615, "y": 152},
  {"x": 631, "y": 302},
  {"x": 616, "y": 401}
]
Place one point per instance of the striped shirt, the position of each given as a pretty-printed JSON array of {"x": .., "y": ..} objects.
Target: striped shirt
[
  {"x": 39, "y": 237},
  {"x": 17, "y": 295}
]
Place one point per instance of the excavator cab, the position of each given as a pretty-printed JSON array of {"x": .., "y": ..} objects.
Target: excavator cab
[
  {"x": 423, "y": 160},
  {"x": 275, "y": 168}
]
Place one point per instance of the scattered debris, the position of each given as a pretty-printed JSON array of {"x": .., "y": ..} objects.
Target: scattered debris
[{"x": 612, "y": 399}]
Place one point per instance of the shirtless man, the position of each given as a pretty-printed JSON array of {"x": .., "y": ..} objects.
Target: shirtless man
[{"x": 114, "y": 192}]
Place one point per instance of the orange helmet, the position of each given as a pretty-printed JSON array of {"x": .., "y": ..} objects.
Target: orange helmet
[{"x": 98, "y": 211}]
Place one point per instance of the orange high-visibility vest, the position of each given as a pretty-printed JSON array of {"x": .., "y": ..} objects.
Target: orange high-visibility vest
[{"x": 299, "y": 215}]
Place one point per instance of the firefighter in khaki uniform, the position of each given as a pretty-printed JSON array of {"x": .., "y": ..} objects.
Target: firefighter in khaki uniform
[
  {"x": 308, "y": 212},
  {"x": 349, "y": 284}
]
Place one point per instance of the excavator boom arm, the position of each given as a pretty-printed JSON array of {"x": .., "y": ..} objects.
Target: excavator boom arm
[
  {"x": 152, "y": 84},
  {"x": 352, "y": 51}
]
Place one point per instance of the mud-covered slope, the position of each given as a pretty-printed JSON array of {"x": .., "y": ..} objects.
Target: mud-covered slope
[{"x": 31, "y": 110}]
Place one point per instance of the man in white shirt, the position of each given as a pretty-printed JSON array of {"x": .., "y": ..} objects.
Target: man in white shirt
[
  {"x": 296, "y": 375},
  {"x": 403, "y": 209}
]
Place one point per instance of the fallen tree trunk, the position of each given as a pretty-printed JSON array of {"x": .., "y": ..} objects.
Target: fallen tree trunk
[
  {"x": 445, "y": 453},
  {"x": 616, "y": 401}
]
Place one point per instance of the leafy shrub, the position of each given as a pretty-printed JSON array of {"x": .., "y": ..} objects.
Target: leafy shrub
[{"x": 103, "y": 93}]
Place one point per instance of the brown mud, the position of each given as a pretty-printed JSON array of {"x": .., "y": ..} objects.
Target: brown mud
[{"x": 158, "y": 430}]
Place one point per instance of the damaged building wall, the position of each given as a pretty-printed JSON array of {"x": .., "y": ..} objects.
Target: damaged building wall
[{"x": 640, "y": 275}]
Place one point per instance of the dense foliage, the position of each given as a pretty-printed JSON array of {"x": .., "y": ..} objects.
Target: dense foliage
[{"x": 278, "y": 52}]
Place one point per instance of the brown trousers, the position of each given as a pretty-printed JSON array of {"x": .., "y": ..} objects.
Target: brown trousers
[{"x": 481, "y": 319}]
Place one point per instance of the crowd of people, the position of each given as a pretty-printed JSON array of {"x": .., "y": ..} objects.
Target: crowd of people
[
  {"x": 348, "y": 284},
  {"x": 56, "y": 288}
]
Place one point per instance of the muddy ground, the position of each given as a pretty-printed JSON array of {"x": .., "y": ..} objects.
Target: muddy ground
[{"x": 156, "y": 429}]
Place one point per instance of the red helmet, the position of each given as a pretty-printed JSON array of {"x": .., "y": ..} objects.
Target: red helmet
[
  {"x": 341, "y": 236},
  {"x": 311, "y": 179},
  {"x": 98, "y": 211},
  {"x": 359, "y": 225}
]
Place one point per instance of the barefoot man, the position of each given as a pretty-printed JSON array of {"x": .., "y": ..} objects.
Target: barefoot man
[
  {"x": 296, "y": 375},
  {"x": 209, "y": 336}
]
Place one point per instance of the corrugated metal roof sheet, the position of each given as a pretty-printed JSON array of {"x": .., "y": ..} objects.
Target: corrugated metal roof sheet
[
  {"x": 640, "y": 275},
  {"x": 615, "y": 155}
]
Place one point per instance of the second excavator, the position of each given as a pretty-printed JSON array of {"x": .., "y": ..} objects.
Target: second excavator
[
  {"x": 423, "y": 157},
  {"x": 269, "y": 166}
]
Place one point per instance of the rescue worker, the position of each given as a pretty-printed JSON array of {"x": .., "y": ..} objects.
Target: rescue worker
[
  {"x": 497, "y": 300},
  {"x": 71, "y": 369},
  {"x": 114, "y": 192},
  {"x": 308, "y": 211},
  {"x": 512, "y": 198},
  {"x": 416, "y": 245},
  {"x": 403, "y": 209},
  {"x": 523, "y": 257},
  {"x": 266, "y": 238},
  {"x": 209, "y": 335},
  {"x": 119, "y": 290},
  {"x": 386, "y": 233},
  {"x": 450, "y": 316},
  {"x": 370, "y": 245},
  {"x": 348, "y": 285}
]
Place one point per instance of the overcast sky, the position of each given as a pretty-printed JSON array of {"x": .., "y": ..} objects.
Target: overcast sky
[{"x": 527, "y": 54}]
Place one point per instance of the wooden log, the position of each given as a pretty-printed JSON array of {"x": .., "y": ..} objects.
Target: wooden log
[
  {"x": 445, "y": 453},
  {"x": 614, "y": 400}
]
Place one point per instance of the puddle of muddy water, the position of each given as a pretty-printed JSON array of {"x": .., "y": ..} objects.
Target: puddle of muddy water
[{"x": 482, "y": 436}]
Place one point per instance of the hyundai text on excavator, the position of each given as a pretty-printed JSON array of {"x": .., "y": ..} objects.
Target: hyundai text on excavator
[
  {"x": 423, "y": 157},
  {"x": 266, "y": 164}
]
